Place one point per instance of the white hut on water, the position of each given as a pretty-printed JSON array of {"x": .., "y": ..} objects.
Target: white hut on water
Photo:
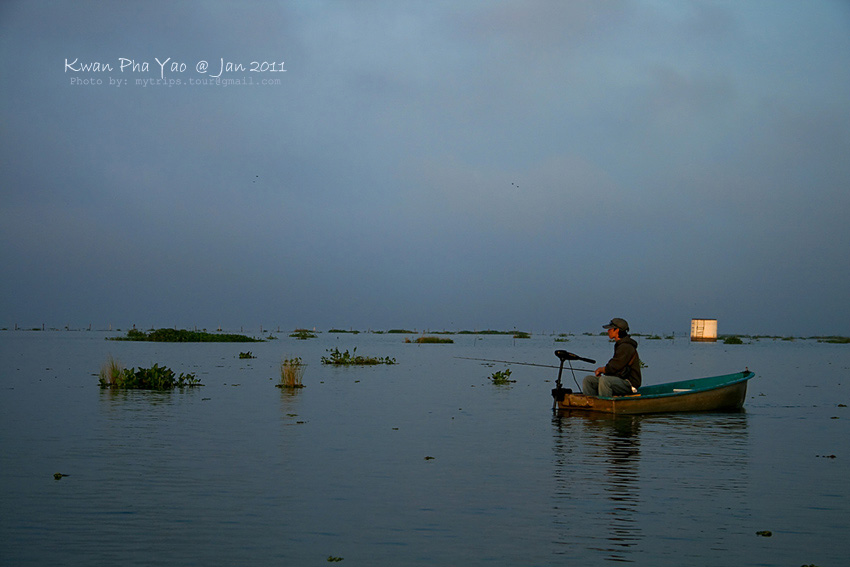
[{"x": 704, "y": 330}]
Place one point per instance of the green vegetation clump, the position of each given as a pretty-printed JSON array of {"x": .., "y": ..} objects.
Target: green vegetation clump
[
  {"x": 246, "y": 355},
  {"x": 153, "y": 378},
  {"x": 184, "y": 336},
  {"x": 401, "y": 331},
  {"x": 492, "y": 332},
  {"x": 733, "y": 340},
  {"x": 431, "y": 340},
  {"x": 351, "y": 359},
  {"x": 303, "y": 334},
  {"x": 353, "y": 332},
  {"x": 291, "y": 372},
  {"x": 522, "y": 335},
  {"x": 501, "y": 377},
  {"x": 835, "y": 340}
]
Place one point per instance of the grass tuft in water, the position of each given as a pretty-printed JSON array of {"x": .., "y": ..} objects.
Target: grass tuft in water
[
  {"x": 110, "y": 372},
  {"x": 291, "y": 373}
]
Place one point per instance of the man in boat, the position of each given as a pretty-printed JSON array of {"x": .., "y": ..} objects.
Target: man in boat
[{"x": 621, "y": 376}]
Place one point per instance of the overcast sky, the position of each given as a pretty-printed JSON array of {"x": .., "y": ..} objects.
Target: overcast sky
[{"x": 461, "y": 165}]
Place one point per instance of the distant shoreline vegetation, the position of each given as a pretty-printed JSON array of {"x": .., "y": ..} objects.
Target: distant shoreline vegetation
[
  {"x": 303, "y": 334},
  {"x": 175, "y": 335},
  {"x": 835, "y": 340},
  {"x": 430, "y": 340},
  {"x": 184, "y": 336},
  {"x": 487, "y": 332}
]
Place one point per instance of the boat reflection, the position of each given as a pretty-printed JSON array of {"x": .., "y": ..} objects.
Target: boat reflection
[
  {"x": 596, "y": 461},
  {"x": 605, "y": 506}
]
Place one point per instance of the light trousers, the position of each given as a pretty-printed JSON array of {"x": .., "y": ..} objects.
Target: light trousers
[{"x": 605, "y": 386}]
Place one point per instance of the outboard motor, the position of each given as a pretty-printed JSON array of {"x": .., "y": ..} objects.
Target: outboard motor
[{"x": 558, "y": 393}]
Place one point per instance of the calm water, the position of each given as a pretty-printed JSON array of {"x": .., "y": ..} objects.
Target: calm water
[{"x": 241, "y": 473}]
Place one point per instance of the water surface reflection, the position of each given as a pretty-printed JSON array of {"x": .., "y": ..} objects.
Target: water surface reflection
[
  {"x": 596, "y": 462},
  {"x": 626, "y": 486}
]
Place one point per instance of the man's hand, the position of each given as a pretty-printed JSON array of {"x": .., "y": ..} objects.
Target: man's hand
[{"x": 599, "y": 371}]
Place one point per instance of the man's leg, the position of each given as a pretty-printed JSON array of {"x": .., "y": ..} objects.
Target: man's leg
[
  {"x": 590, "y": 386},
  {"x": 613, "y": 386}
]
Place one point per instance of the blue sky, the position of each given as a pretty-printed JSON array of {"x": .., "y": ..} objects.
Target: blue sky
[{"x": 458, "y": 165}]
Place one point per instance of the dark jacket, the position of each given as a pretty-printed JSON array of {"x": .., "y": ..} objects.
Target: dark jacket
[{"x": 625, "y": 362}]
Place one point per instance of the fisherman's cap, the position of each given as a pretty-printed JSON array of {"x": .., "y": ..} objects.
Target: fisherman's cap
[{"x": 617, "y": 323}]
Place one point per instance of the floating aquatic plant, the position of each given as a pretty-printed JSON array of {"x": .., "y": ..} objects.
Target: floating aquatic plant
[
  {"x": 338, "y": 358},
  {"x": 246, "y": 355},
  {"x": 153, "y": 378},
  {"x": 501, "y": 377}
]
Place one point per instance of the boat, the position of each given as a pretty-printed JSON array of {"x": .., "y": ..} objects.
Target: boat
[{"x": 713, "y": 393}]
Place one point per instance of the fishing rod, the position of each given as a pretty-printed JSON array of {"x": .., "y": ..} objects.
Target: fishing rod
[
  {"x": 558, "y": 392},
  {"x": 569, "y": 356}
]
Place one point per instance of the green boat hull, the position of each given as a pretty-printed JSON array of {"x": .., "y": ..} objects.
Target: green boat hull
[{"x": 715, "y": 393}]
